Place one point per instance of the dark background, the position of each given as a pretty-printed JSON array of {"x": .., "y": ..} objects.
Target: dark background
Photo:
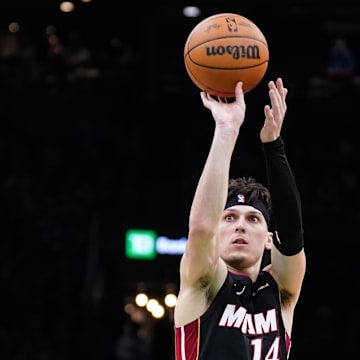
[{"x": 103, "y": 131}]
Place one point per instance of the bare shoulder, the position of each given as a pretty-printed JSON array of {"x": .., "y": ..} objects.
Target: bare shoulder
[
  {"x": 194, "y": 299},
  {"x": 288, "y": 272}
]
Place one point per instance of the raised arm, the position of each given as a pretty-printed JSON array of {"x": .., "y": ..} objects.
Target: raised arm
[
  {"x": 200, "y": 265},
  {"x": 201, "y": 255},
  {"x": 287, "y": 255}
]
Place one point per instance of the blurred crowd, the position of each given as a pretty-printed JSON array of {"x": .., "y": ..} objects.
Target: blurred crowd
[{"x": 84, "y": 156}]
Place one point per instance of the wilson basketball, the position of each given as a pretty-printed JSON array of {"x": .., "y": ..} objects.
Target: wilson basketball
[{"x": 224, "y": 49}]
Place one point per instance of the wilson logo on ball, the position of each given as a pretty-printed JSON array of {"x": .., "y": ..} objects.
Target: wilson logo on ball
[
  {"x": 237, "y": 52},
  {"x": 224, "y": 49}
]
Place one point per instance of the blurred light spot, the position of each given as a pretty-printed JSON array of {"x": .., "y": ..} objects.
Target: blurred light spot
[
  {"x": 141, "y": 299},
  {"x": 67, "y": 6},
  {"x": 191, "y": 11},
  {"x": 14, "y": 27}
]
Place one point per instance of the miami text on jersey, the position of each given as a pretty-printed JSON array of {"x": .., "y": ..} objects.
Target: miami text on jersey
[{"x": 253, "y": 324}]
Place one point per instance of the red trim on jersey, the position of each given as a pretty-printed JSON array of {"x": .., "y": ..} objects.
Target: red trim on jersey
[
  {"x": 288, "y": 343},
  {"x": 187, "y": 339}
]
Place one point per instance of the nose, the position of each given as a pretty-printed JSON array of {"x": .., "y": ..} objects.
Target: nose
[{"x": 239, "y": 227}]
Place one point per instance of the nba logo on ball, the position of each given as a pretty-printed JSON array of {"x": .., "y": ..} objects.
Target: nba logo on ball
[{"x": 224, "y": 49}]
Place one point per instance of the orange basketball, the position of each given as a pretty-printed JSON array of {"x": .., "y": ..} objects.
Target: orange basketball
[{"x": 224, "y": 49}]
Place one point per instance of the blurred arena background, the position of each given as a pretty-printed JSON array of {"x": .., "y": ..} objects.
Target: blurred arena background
[{"x": 103, "y": 132}]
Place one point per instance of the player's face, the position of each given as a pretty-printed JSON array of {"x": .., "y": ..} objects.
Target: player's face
[{"x": 244, "y": 235}]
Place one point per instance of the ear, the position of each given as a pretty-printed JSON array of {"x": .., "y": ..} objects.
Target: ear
[{"x": 269, "y": 241}]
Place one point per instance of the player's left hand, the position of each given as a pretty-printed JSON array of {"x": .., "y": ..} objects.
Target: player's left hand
[{"x": 274, "y": 115}]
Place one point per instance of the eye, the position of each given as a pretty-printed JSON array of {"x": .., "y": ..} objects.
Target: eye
[
  {"x": 254, "y": 218},
  {"x": 229, "y": 217}
]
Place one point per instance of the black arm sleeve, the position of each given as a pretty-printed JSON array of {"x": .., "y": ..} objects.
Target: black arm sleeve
[{"x": 286, "y": 204}]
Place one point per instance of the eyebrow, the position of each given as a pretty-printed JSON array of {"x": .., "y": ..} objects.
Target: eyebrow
[{"x": 252, "y": 210}]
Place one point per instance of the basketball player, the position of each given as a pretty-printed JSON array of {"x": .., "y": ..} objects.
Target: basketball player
[{"x": 229, "y": 308}]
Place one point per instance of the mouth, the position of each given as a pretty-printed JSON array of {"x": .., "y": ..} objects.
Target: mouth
[{"x": 239, "y": 241}]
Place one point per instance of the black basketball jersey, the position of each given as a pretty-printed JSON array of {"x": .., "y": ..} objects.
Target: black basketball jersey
[{"x": 243, "y": 322}]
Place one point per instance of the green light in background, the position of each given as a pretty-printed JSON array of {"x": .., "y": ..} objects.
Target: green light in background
[{"x": 140, "y": 244}]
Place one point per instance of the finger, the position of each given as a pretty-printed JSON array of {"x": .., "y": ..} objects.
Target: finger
[
  {"x": 281, "y": 89},
  {"x": 279, "y": 84},
  {"x": 239, "y": 89},
  {"x": 280, "y": 93},
  {"x": 271, "y": 85},
  {"x": 276, "y": 103},
  {"x": 268, "y": 113},
  {"x": 239, "y": 93},
  {"x": 205, "y": 99}
]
